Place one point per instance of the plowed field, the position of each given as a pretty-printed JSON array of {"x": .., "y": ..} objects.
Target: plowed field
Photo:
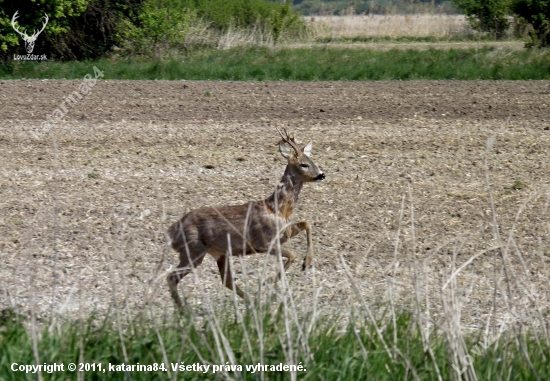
[{"x": 84, "y": 204}]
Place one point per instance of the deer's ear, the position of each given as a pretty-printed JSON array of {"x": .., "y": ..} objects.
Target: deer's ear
[
  {"x": 284, "y": 150},
  {"x": 307, "y": 149}
]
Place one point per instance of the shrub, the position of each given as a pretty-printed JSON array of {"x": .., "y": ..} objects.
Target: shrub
[
  {"x": 384, "y": 7},
  {"x": 77, "y": 29},
  {"x": 30, "y": 17},
  {"x": 161, "y": 25},
  {"x": 275, "y": 18},
  {"x": 88, "y": 29},
  {"x": 537, "y": 14},
  {"x": 488, "y": 16},
  {"x": 96, "y": 31}
]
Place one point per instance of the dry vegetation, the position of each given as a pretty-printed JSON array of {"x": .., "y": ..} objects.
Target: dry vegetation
[
  {"x": 392, "y": 26},
  {"x": 370, "y": 31},
  {"x": 404, "y": 205}
]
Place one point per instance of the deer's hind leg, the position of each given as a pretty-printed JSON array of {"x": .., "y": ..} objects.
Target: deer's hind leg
[
  {"x": 227, "y": 278},
  {"x": 290, "y": 258},
  {"x": 189, "y": 259}
]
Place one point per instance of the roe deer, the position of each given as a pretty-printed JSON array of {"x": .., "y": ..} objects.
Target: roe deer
[{"x": 246, "y": 229}]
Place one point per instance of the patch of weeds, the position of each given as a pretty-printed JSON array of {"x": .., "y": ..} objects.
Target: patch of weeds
[
  {"x": 516, "y": 186},
  {"x": 8, "y": 316},
  {"x": 207, "y": 94},
  {"x": 94, "y": 174}
]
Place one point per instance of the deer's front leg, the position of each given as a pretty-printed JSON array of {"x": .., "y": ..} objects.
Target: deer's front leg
[
  {"x": 297, "y": 228},
  {"x": 290, "y": 257}
]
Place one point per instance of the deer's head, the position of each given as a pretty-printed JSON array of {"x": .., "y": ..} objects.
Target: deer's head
[
  {"x": 300, "y": 166},
  {"x": 29, "y": 40}
]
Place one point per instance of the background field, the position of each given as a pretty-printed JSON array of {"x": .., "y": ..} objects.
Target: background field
[{"x": 432, "y": 26}]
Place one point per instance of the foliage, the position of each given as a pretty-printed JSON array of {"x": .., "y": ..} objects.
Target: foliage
[
  {"x": 31, "y": 18},
  {"x": 165, "y": 26},
  {"x": 489, "y": 16},
  {"x": 493, "y": 16},
  {"x": 87, "y": 29},
  {"x": 77, "y": 29},
  {"x": 272, "y": 17},
  {"x": 537, "y": 14},
  {"x": 160, "y": 26},
  {"x": 390, "y": 348},
  {"x": 96, "y": 31},
  {"x": 349, "y": 7}
]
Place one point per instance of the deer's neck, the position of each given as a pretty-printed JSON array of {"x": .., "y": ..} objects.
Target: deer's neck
[
  {"x": 293, "y": 182},
  {"x": 284, "y": 198}
]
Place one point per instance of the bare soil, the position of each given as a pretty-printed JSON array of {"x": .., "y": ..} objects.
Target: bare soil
[{"x": 84, "y": 205}]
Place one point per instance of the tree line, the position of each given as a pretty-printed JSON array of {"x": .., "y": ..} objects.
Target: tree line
[
  {"x": 495, "y": 16},
  {"x": 88, "y": 29}
]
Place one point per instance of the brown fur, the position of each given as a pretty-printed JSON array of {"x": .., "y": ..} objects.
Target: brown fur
[{"x": 245, "y": 229}]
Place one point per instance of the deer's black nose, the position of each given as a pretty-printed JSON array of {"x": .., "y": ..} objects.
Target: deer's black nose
[{"x": 320, "y": 177}]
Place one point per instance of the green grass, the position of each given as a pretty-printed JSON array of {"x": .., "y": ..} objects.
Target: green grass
[
  {"x": 330, "y": 351},
  {"x": 315, "y": 64}
]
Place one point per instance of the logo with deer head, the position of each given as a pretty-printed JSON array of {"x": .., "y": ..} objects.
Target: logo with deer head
[{"x": 29, "y": 40}]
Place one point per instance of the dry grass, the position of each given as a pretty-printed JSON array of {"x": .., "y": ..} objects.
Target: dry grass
[
  {"x": 235, "y": 37},
  {"x": 393, "y": 26},
  {"x": 336, "y": 27}
]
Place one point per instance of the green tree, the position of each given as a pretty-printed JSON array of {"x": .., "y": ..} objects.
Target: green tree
[
  {"x": 30, "y": 18},
  {"x": 160, "y": 26},
  {"x": 488, "y": 16},
  {"x": 276, "y": 18},
  {"x": 537, "y": 14},
  {"x": 77, "y": 29}
]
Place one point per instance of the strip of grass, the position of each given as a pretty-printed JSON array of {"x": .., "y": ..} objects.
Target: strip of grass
[
  {"x": 324, "y": 349},
  {"x": 403, "y": 39},
  {"x": 316, "y": 64}
]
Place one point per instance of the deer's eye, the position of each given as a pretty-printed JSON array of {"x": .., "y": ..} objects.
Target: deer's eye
[{"x": 304, "y": 166}]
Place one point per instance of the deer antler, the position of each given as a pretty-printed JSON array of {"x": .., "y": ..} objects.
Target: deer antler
[
  {"x": 15, "y": 17},
  {"x": 289, "y": 139},
  {"x": 43, "y": 25},
  {"x": 24, "y": 33}
]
